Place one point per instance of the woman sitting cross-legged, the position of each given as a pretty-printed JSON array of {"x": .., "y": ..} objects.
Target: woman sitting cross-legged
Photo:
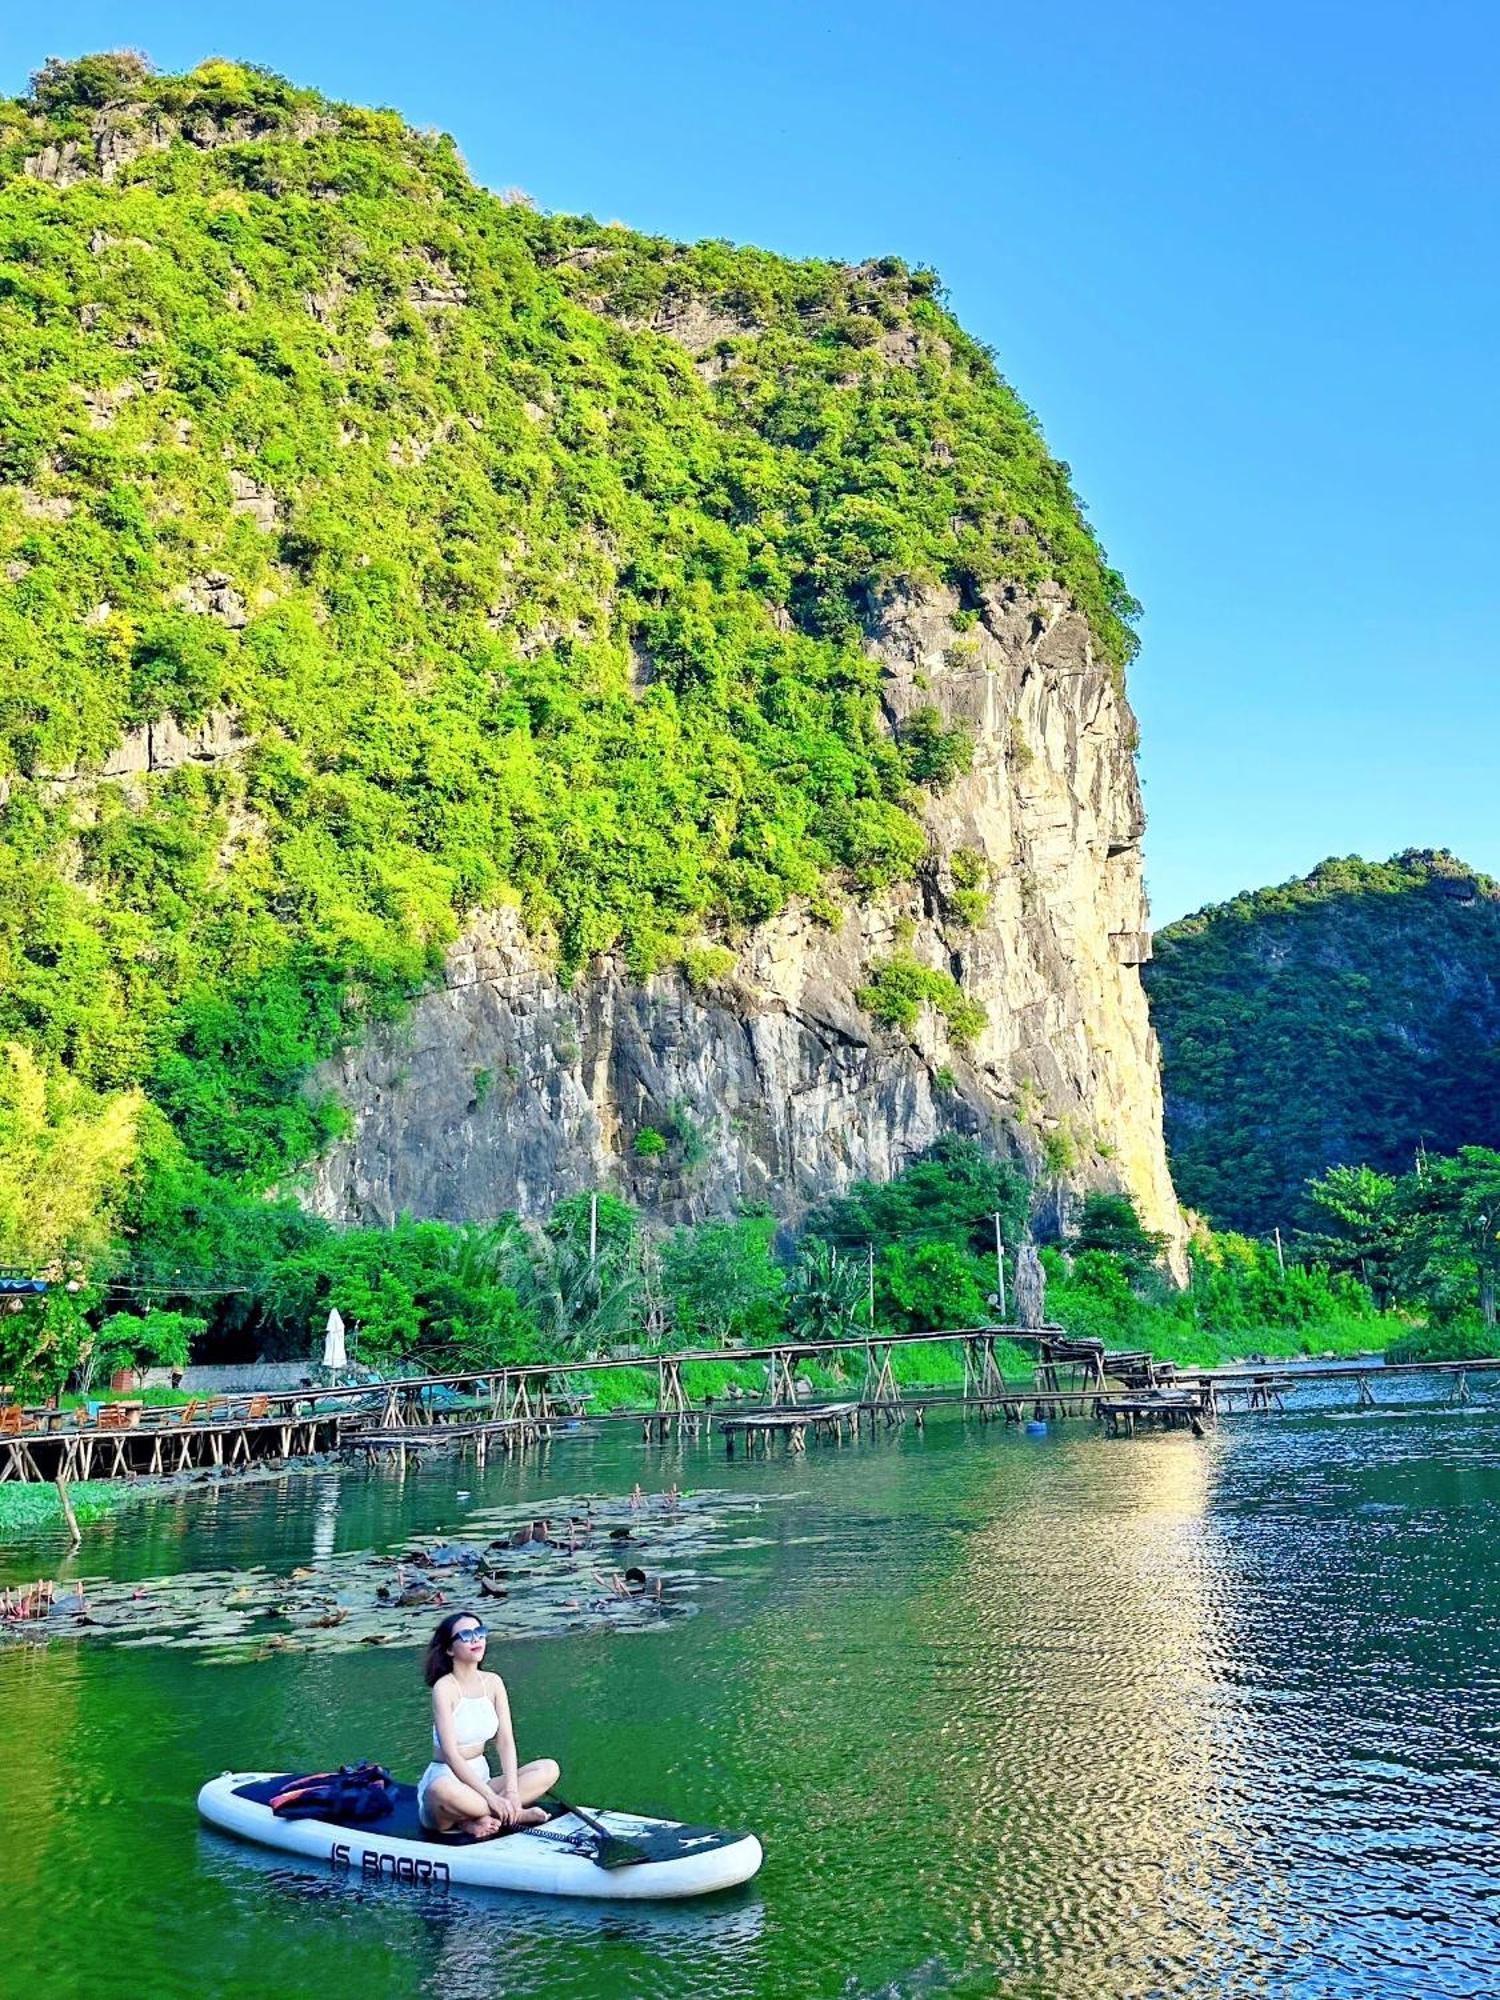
[{"x": 456, "y": 1793}]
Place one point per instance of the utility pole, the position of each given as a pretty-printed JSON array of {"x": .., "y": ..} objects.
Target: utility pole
[
  {"x": 1000, "y": 1266},
  {"x": 870, "y": 1268},
  {"x": 1280, "y": 1260},
  {"x": 593, "y": 1231}
]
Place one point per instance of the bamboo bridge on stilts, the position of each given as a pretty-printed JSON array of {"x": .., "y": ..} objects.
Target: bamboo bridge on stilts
[
  {"x": 516, "y": 1405},
  {"x": 510, "y": 1408},
  {"x": 129, "y": 1441}
]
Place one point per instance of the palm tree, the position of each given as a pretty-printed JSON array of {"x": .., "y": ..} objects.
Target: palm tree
[
  {"x": 579, "y": 1304},
  {"x": 825, "y": 1294}
]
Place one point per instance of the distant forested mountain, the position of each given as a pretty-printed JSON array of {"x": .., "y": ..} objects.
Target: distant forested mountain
[{"x": 1349, "y": 1017}]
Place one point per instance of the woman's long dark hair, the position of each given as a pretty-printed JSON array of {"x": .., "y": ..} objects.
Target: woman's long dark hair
[{"x": 439, "y": 1660}]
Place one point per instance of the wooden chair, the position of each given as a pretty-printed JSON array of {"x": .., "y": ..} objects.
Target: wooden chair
[
  {"x": 10, "y": 1420},
  {"x": 257, "y": 1408}
]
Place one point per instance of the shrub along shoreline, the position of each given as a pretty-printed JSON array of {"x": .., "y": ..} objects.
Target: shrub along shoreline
[{"x": 899, "y": 1258}]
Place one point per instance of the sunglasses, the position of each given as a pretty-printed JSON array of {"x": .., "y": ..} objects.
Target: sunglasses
[{"x": 474, "y": 1636}]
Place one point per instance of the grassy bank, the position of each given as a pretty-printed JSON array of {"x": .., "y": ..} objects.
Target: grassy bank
[
  {"x": 1198, "y": 1347},
  {"x": 1462, "y": 1339},
  {"x": 1239, "y": 1303},
  {"x": 936, "y": 1365}
]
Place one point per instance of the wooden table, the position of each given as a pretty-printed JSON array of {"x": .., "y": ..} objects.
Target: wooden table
[
  {"x": 117, "y": 1416},
  {"x": 48, "y": 1419}
]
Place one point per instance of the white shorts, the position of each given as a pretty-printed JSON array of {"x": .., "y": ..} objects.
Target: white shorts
[{"x": 478, "y": 1768}]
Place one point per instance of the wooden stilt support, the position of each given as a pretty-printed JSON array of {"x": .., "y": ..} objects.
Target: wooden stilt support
[
  {"x": 74, "y": 1531},
  {"x": 673, "y": 1410},
  {"x": 781, "y": 1378},
  {"x": 879, "y": 1390}
]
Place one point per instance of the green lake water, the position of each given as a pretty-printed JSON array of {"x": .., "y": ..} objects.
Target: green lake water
[{"x": 1057, "y": 1718}]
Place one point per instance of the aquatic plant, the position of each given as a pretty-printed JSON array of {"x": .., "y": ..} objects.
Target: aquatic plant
[{"x": 535, "y": 1577}]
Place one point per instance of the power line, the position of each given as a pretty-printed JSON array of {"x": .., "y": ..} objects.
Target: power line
[
  {"x": 174, "y": 1288},
  {"x": 198, "y": 1283}
]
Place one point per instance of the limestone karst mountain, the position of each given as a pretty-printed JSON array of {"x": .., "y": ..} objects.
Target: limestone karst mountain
[{"x": 686, "y": 671}]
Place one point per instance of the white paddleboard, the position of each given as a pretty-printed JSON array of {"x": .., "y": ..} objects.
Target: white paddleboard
[{"x": 550, "y": 1860}]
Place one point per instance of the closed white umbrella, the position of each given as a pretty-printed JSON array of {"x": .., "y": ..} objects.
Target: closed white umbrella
[{"x": 333, "y": 1342}]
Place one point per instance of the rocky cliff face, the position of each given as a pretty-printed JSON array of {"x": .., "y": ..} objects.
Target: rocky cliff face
[{"x": 505, "y": 1089}]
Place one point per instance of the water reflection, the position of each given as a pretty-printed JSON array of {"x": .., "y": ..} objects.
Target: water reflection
[
  {"x": 325, "y": 1528},
  {"x": 1362, "y": 1549},
  {"x": 1082, "y": 1755},
  {"x": 476, "y": 1941}
]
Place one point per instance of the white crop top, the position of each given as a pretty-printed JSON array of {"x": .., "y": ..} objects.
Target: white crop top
[{"x": 474, "y": 1721}]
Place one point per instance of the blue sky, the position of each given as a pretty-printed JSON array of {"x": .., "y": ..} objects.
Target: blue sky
[{"x": 1241, "y": 260}]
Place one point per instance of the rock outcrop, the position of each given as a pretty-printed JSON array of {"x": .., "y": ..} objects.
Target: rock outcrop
[
  {"x": 506, "y": 1089},
  {"x": 151, "y": 750}
]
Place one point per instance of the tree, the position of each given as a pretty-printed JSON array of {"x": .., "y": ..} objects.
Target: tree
[
  {"x": 602, "y": 1218},
  {"x": 1109, "y": 1223},
  {"x": 1364, "y": 1227},
  {"x": 90, "y": 82},
  {"x": 190, "y": 1231},
  {"x": 932, "y": 754},
  {"x": 826, "y": 1294},
  {"x": 722, "y": 1282},
  {"x": 923, "y": 1287},
  {"x": 1453, "y": 1247},
  {"x": 579, "y": 1278},
  {"x": 952, "y": 1193},
  {"x": 65, "y": 1158},
  {"x": 43, "y": 1342},
  {"x": 151, "y": 1339},
  {"x": 418, "y": 1292}
]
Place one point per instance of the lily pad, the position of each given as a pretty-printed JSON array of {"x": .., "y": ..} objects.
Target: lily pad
[{"x": 538, "y": 1576}]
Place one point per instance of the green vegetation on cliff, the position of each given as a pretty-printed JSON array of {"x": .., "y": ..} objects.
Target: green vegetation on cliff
[
  {"x": 1345, "y": 1019},
  {"x": 452, "y": 553}
]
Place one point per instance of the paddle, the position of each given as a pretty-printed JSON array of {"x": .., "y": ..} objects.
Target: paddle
[{"x": 614, "y": 1850}]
